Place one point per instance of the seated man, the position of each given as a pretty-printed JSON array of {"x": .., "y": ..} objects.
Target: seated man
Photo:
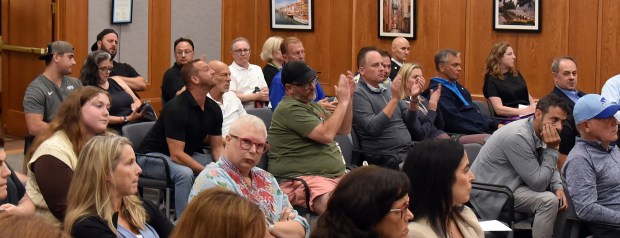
[
  {"x": 185, "y": 124},
  {"x": 229, "y": 102},
  {"x": 592, "y": 171},
  {"x": 458, "y": 111},
  {"x": 236, "y": 170},
  {"x": 380, "y": 118},
  {"x": 302, "y": 136},
  {"x": 523, "y": 156},
  {"x": 172, "y": 84}
]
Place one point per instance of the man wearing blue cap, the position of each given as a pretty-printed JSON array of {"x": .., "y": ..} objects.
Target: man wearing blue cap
[{"x": 592, "y": 169}]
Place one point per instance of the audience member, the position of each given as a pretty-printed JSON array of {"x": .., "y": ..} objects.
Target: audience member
[
  {"x": 48, "y": 90},
  {"x": 380, "y": 119},
  {"x": 124, "y": 103},
  {"x": 386, "y": 62},
  {"x": 229, "y": 102},
  {"x": 591, "y": 170},
  {"x": 53, "y": 156},
  {"x": 13, "y": 197},
  {"x": 504, "y": 86},
  {"x": 412, "y": 85},
  {"x": 400, "y": 53},
  {"x": 102, "y": 200},
  {"x": 458, "y": 111},
  {"x": 302, "y": 136},
  {"x": 437, "y": 201},
  {"x": 523, "y": 156},
  {"x": 107, "y": 40},
  {"x": 12, "y": 225},
  {"x": 611, "y": 91},
  {"x": 236, "y": 171},
  {"x": 273, "y": 56},
  {"x": 218, "y": 212},
  {"x": 248, "y": 81},
  {"x": 293, "y": 50},
  {"x": 369, "y": 202},
  {"x": 185, "y": 124},
  {"x": 564, "y": 70},
  {"x": 172, "y": 83}
]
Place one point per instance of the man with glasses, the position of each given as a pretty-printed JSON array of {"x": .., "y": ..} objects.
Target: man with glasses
[
  {"x": 302, "y": 136},
  {"x": 48, "y": 90},
  {"x": 107, "y": 40},
  {"x": 380, "y": 118},
  {"x": 186, "y": 123},
  {"x": 592, "y": 171},
  {"x": 172, "y": 84},
  {"x": 523, "y": 156},
  {"x": 236, "y": 171},
  {"x": 248, "y": 81}
]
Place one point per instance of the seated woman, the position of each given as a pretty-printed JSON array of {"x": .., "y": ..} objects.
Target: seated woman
[
  {"x": 369, "y": 201},
  {"x": 503, "y": 84},
  {"x": 102, "y": 200},
  {"x": 236, "y": 170},
  {"x": 232, "y": 216},
  {"x": 13, "y": 197},
  {"x": 53, "y": 155},
  {"x": 437, "y": 201},
  {"x": 272, "y": 55},
  {"x": 96, "y": 72},
  {"x": 411, "y": 86}
]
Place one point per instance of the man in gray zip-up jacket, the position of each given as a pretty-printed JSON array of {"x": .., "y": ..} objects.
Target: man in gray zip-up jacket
[{"x": 523, "y": 156}]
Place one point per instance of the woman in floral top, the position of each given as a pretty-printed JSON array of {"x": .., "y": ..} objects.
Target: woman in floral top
[{"x": 236, "y": 170}]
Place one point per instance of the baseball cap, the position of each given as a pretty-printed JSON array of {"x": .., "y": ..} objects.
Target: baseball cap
[
  {"x": 594, "y": 106},
  {"x": 100, "y": 37},
  {"x": 297, "y": 73},
  {"x": 57, "y": 47}
]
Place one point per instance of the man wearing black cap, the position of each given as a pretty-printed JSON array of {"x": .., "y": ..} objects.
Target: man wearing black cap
[
  {"x": 47, "y": 91},
  {"x": 107, "y": 40},
  {"x": 302, "y": 135}
]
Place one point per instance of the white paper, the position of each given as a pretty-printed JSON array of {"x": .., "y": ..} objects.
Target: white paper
[{"x": 494, "y": 225}]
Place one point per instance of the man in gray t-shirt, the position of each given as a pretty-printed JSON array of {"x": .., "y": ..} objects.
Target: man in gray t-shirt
[{"x": 47, "y": 91}]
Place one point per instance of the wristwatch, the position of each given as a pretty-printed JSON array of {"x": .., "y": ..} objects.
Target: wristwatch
[{"x": 125, "y": 119}]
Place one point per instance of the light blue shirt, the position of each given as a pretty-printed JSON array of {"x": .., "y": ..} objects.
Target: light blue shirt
[
  {"x": 572, "y": 94},
  {"x": 452, "y": 86}
]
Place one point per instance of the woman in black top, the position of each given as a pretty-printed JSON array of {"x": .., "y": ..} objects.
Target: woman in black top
[
  {"x": 503, "y": 84},
  {"x": 102, "y": 200},
  {"x": 272, "y": 55},
  {"x": 124, "y": 102}
]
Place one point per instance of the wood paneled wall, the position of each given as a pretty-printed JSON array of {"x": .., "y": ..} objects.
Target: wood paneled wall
[{"x": 585, "y": 29}]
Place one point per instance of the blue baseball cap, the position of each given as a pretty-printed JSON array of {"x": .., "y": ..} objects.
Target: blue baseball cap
[{"x": 594, "y": 106}]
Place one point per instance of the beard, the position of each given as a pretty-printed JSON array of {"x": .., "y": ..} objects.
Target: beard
[{"x": 107, "y": 50}]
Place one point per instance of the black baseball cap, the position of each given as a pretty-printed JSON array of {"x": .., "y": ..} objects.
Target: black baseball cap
[
  {"x": 297, "y": 73},
  {"x": 100, "y": 37}
]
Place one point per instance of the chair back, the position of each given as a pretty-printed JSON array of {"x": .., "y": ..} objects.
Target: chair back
[
  {"x": 472, "y": 151},
  {"x": 263, "y": 113},
  {"x": 136, "y": 132},
  {"x": 346, "y": 147},
  {"x": 482, "y": 108}
]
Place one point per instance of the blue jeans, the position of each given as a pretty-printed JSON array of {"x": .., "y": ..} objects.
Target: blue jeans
[{"x": 181, "y": 175}]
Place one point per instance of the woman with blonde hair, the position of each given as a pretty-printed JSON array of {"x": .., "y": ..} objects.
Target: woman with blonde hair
[
  {"x": 272, "y": 55},
  {"x": 102, "y": 200},
  {"x": 504, "y": 86},
  {"x": 218, "y": 212},
  {"x": 53, "y": 155},
  {"x": 411, "y": 87}
]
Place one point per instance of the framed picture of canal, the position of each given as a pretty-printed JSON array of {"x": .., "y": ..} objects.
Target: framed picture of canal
[
  {"x": 516, "y": 15},
  {"x": 397, "y": 18},
  {"x": 292, "y": 15}
]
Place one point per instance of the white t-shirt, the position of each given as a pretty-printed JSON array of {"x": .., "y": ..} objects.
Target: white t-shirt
[
  {"x": 231, "y": 110},
  {"x": 246, "y": 80}
]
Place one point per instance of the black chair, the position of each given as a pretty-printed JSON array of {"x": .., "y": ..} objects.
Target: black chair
[
  {"x": 263, "y": 113},
  {"x": 483, "y": 109},
  {"x": 571, "y": 226},
  {"x": 136, "y": 133},
  {"x": 358, "y": 156}
]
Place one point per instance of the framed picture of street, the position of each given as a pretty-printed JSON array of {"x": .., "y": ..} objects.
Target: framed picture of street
[
  {"x": 397, "y": 18},
  {"x": 516, "y": 15},
  {"x": 292, "y": 15}
]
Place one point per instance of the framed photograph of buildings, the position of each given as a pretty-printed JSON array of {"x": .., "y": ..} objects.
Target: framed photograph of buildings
[
  {"x": 397, "y": 18},
  {"x": 292, "y": 15},
  {"x": 516, "y": 15}
]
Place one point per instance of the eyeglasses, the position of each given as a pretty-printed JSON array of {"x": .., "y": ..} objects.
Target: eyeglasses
[
  {"x": 184, "y": 52},
  {"x": 403, "y": 210},
  {"x": 242, "y": 51},
  {"x": 246, "y": 144},
  {"x": 105, "y": 69},
  {"x": 314, "y": 81}
]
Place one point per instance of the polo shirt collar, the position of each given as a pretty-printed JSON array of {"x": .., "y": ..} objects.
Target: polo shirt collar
[
  {"x": 379, "y": 89},
  {"x": 238, "y": 67},
  {"x": 597, "y": 144}
]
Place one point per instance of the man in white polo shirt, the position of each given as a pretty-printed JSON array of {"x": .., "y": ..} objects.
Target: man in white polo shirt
[{"x": 248, "y": 81}]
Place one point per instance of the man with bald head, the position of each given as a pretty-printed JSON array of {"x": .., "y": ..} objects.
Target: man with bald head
[
  {"x": 230, "y": 104},
  {"x": 400, "y": 52}
]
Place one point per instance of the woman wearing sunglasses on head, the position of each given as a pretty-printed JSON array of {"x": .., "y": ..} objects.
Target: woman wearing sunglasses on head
[
  {"x": 236, "y": 171},
  {"x": 370, "y": 201}
]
